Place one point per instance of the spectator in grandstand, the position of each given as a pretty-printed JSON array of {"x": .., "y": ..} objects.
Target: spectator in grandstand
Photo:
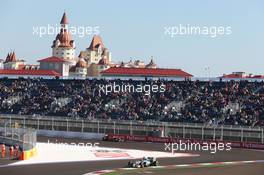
[{"x": 213, "y": 103}]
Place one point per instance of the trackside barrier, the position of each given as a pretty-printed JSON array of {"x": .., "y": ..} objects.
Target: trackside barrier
[
  {"x": 28, "y": 154},
  {"x": 143, "y": 128},
  {"x": 23, "y": 138},
  {"x": 245, "y": 145}
]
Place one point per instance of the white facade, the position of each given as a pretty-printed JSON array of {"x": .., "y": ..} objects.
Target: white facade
[
  {"x": 94, "y": 56},
  {"x": 97, "y": 51},
  {"x": 1, "y": 64},
  {"x": 80, "y": 72},
  {"x": 60, "y": 67},
  {"x": 13, "y": 65},
  {"x": 66, "y": 53}
]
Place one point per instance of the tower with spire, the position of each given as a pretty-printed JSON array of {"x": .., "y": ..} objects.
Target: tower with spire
[
  {"x": 11, "y": 61},
  {"x": 97, "y": 52},
  {"x": 63, "y": 46}
]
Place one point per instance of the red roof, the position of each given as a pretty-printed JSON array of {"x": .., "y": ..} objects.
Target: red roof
[
  {"x": 146, "y": 72},
  {"x": 257, "y": 76},
  {"x": 239, "y": 76},
  {"x": 232, "y": 76},
  {"x": 11, "y": 57},
  {"x": 28, "y": 72},
  {"x": 53, "y": 60},
  {"x": 96, "y": 42}
]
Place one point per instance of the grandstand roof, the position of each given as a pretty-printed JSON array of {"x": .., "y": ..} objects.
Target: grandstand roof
[
  {"x": 28, "y": 72},
  {"x": 122, "y": 71}
]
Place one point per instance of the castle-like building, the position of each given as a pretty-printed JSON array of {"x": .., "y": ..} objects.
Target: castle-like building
[
  {"x": 63, "y": 46},
  {"x": 92, "y": 61},
  {"x": 12, "y": 62}
]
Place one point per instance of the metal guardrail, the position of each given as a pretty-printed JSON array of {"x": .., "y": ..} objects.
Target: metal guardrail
[
  {"x": 178, "y": 130},
  {"x": 133, "y": 122}
]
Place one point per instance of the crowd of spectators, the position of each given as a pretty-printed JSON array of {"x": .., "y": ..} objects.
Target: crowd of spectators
[{"x": 231, "y": 103}]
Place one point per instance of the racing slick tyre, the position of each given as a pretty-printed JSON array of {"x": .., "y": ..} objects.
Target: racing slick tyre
[{"x": 156, "y": 163}]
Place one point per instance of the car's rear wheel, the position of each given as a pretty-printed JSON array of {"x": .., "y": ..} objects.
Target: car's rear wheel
[{"x": 156, "y": 163}]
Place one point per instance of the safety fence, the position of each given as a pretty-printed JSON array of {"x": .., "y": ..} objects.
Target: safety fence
[
  {"x": 22, "y": 140},
  {"x": 143, "y": 128}
]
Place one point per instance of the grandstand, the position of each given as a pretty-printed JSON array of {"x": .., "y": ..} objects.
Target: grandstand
[{"x": 211, "y": 102}]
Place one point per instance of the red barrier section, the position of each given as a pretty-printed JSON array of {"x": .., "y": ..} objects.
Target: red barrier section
[{"x": 246, "y": 145}]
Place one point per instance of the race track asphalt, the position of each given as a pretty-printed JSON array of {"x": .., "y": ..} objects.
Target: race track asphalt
[{"x": 79, "y": 168}]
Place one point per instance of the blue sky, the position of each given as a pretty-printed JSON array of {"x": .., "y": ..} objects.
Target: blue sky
[{"x": 136, "y": 29}]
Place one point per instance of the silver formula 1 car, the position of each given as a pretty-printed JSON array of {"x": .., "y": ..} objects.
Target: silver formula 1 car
[{"x": 145, "y": 162}]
